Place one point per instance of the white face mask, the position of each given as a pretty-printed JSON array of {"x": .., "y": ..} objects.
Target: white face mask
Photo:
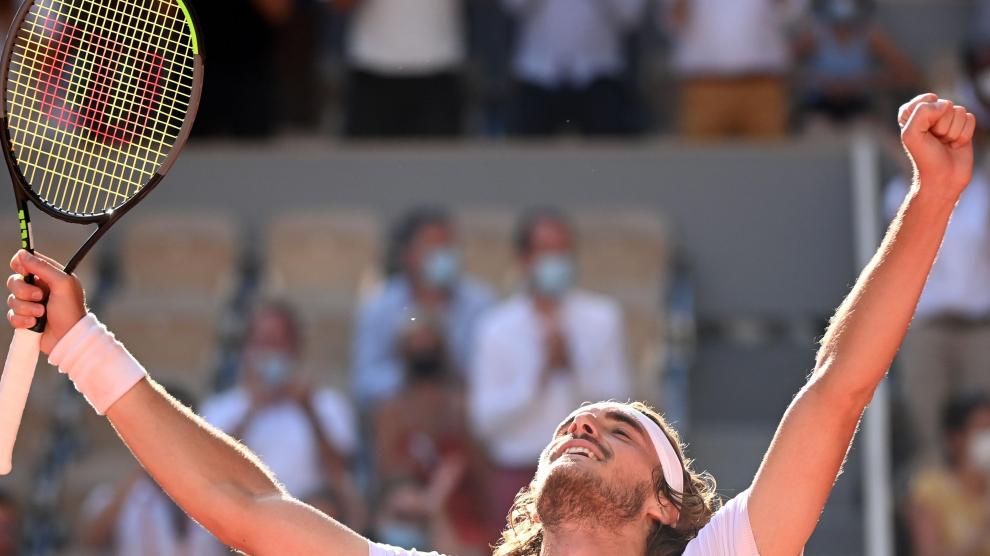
[{"x": 979, "y": 450}]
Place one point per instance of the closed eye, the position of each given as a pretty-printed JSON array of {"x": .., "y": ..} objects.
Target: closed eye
[{"x": 622, "y": 433}]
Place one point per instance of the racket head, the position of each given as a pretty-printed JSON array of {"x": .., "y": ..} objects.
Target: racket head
[{"x": 98, "y": 98}]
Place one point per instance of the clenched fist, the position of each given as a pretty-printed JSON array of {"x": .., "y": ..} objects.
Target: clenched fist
[{"x": 938, "y": 137}]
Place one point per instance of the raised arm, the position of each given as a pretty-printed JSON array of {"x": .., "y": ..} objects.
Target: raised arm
[
  {"x": 218, "y": 482},
  {"x": 805, "y": 457}
]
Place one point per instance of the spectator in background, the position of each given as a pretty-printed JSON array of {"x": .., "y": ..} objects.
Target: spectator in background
[
  {"x": 569, "y": 60},
  {"x": 423, "y": 449},
  {"x": 425, "y": 280},
  {"x": 405, "y": 63},
  {"x": 847, "y": 61},
  {"x": 950, "y": 504},
  {"x": 974, "y": 87},
  {"x": 540, "y": 354},
  {"x": 306, "y": 436},
  {"x": 10, "y": 526},
  {"x": 947, "y": 348},
  {"x": 733, "y": 59},
  {"x": 134, "y": 517},
  {"x": 239, "y": 94}
]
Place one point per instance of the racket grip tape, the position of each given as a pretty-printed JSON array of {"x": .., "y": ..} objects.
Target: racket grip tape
[
  {"x": 15, "y": 383},
  {"x": 42, "y": 321}
]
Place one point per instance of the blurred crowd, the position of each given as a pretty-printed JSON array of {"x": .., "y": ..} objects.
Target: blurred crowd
[
  {"x": 453, "y": 393},
  {"x": 453, "y": 388},
  {"x": 535, "y": 68}
]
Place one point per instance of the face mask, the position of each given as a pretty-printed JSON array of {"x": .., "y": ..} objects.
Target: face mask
[
  {"x": 553, "y": 275},
  {"x": 400, "y": 533},
  {"x": 441, "y": 268},
  {"x": 979, "y": 450},
  {"x": 425, "y": 364},
  {"x": 275, "y": 368}
]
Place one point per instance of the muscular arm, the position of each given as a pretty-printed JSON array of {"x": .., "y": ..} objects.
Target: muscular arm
[
  {"x": 218, "y": 482},
  {"x": 805, "y": 457}
]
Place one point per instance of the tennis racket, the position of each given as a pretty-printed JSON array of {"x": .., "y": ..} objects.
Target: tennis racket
[{"x": 98, "y": 99}]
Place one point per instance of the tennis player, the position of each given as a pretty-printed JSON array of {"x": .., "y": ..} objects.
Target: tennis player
[{"x": 613, "y": 479}]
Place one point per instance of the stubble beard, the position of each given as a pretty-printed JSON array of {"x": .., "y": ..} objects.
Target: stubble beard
[{"x": 571, "y": 497}]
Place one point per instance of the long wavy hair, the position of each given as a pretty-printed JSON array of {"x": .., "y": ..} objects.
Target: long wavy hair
[{"x": 523, "y": 534}]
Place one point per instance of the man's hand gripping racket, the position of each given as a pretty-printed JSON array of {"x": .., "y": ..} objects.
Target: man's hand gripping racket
[{"x": 98, "y": 99}]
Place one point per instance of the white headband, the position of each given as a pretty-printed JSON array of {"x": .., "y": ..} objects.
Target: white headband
[
  {"x": 669, "y": 462},
  {"x": 673, "y": 472}
]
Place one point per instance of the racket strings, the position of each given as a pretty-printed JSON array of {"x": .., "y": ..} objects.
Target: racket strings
[{"x": 97, "y": 93}]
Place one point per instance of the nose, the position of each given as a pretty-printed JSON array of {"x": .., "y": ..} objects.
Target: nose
[{"x": 584, "y": 423}]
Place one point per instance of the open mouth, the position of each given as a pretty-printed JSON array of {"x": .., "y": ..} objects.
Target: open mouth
[{"x": 578, "y": 451}]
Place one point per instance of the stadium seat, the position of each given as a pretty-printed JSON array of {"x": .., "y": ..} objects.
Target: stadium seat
[
  {"x": 330, "y": 252},
  {"x": 646, "y": 350},
  {"x": 175, "y": 337},
  {"x": 485, "y": 236},
  {"x": 623, "y": 253},
  {"x": 181, "y": 253},
  {"x": 327, "y": 330}
]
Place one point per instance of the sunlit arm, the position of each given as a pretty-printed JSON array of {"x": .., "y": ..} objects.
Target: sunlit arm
[{"x": 807, "y": 452}]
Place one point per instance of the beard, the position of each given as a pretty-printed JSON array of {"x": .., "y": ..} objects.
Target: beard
[{"x": 569, "y": 496}]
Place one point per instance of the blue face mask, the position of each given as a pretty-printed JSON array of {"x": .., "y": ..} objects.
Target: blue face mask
[
  {"x": 553, "y": 275},
  {"x": 441, "y": 268},
  {"x": 275, "y": 368}
]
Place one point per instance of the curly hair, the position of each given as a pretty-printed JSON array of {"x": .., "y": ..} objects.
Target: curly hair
[{"x": 523, "y": 534}]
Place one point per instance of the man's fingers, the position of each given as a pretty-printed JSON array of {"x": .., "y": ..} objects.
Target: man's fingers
[
  {"x": 25, "y": 308},
  {"x": 926, "y": 115},
  {"x": 966, "y": 137},
  {"x": 944, "y": 122},
  {"x": 17, "y": 321},
  {"x": 23, "y": 290},
  {"x": 957, "y": 125},
  {"x": 907, "y": 110},
  {"x": 43, "y": 268}
]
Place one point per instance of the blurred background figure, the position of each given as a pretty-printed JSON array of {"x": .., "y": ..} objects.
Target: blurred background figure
[
  {"x": 947, "y": 348},
  {"x": 733, "y": 60},
  {"x": 847, "y": 61},
  {"x": 424, "y": 280},
  {"x": 10, "y": 526},
  {"x": 297, "y": 58},
  {"x": 405, "y": 61},
  {"x": 240, "y": 92},
  {"x": 422, "y": 444},
  {"x": 974, "y": 86},
  {"x": 548, "y": 348},
  {"x": 305, "y": 434},
  {"x": 950, "y": 503},
  {"x": 568, "y": 63},
  {"x": 134, "y": 517}
]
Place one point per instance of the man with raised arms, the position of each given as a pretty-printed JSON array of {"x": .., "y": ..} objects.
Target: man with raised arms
[{"x": 613, "y": 479}]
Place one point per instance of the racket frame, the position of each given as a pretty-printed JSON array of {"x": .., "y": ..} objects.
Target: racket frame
[{"x": 105, "y": 220}]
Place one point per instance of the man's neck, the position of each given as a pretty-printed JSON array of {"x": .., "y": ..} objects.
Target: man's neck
[{"x": 622, "y": 541}]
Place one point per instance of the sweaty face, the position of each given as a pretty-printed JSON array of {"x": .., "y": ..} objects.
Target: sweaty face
[{"x": 597, "y": 470}]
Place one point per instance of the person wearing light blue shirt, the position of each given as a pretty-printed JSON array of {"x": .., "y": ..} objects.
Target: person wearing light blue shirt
[{"x": 425, "y": 281}]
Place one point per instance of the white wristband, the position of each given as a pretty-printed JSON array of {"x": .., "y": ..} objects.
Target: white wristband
[{"x": 99, "y": 366}]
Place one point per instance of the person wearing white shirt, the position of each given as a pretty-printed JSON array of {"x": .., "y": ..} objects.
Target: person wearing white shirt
[
  {"x": 305, "y": 435},
  {"x": 405, "y": 60},
  {"x": 732, "y": 59},
  {"x": 569, "y": 60},
  {"x": 541, "y": 353},
  {"x": 947, "y": 349},
  {"x": 613, "y": 478}
]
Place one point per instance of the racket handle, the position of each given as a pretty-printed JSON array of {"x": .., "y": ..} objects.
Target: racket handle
[
  {"x": 15, "y": 383},
  {"x": 42, "y": 321}
]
